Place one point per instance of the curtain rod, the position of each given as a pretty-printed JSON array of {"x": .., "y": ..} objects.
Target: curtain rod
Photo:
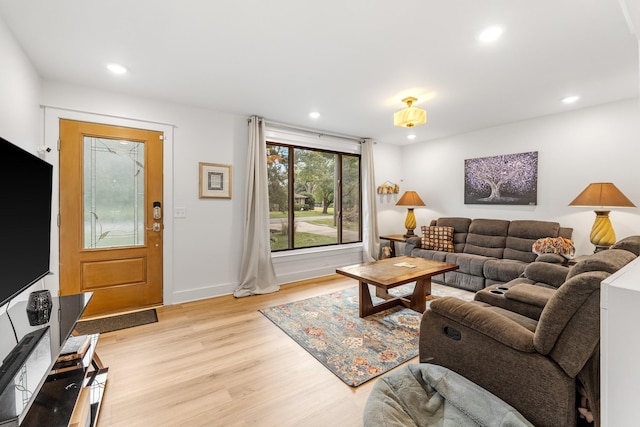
[{"x": 315, "y": 131}]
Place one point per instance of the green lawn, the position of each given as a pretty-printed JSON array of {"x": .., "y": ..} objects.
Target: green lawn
[
  {"x": 301, "y": 214},
  {"x": 302, "y": 240}
]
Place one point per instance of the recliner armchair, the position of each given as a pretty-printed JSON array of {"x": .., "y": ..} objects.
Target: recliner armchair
[
  {"x": 528, "y": 294},
  {"x": 530, "y": 364}
]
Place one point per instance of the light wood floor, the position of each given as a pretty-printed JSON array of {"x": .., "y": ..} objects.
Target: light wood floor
[{"x": 219, "y": 362}]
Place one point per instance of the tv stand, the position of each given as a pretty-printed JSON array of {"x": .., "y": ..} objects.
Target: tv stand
[
  {"x": 37, "y": 388},
  {"x": 71, "y": 396}
]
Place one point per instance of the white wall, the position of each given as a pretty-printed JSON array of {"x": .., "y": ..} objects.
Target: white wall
[
  {"x": 574, "y": 149},
  {"x": 387, "y": 161},
  {"x": 20, "y": 92},
  {"x": 20, "y": 124}
]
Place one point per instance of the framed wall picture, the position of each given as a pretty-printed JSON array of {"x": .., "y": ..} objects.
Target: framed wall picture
[
  {"x": 510, "y": 179},
  {"x": 215, "y": 180}
]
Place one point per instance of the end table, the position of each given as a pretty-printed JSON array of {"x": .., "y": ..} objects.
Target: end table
[{"x": 393, "y": 238}]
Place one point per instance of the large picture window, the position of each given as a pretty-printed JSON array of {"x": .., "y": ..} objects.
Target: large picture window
[{"x": 314, "y": 197}]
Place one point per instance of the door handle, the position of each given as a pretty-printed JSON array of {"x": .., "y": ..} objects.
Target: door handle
[{"x": 155, "y": 227}]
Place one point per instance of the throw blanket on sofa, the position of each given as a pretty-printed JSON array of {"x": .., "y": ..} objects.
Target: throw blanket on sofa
[{"x": 430, "y": 395}]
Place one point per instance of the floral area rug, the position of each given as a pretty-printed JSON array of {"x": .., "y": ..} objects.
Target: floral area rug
[{"x": 354, "y": 349}]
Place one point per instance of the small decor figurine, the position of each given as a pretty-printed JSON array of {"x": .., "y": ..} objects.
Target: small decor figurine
[
  {"x": 388, "y": 188},
  {"x": 39, "y": 307},
  {"x": 386, "y": 252}
]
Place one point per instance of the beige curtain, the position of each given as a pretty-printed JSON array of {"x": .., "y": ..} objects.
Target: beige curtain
[
  {"x": 257, "y": 275},
  {"x": 370, "y": 236}
]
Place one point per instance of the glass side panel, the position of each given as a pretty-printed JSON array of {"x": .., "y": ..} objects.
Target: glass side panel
[
  {"x": 350, "y": 199},
  {"x": 316, "y": 182},
  {"x": 278, "y": 177},
  {"x": 113, "y": 193}
]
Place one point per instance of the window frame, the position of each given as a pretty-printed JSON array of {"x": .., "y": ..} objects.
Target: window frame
[{"x": 337, "y": 199}]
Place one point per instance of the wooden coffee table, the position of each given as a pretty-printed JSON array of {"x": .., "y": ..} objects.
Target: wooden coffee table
[{"x": 389, "y": 273}]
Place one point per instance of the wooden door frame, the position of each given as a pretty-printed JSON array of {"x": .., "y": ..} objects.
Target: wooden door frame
[{"x": 52, "y": 116}]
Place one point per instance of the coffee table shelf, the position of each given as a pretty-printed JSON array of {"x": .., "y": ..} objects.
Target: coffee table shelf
[{"x": 390, "y": 273}]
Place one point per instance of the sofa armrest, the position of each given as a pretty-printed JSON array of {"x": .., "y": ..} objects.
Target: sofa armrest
[
  {"x": 544, "y": 272},
  {"x": 552, "y": 259},
  {"x": 411, "y": 244},
  {"x": 486, "y": 322},
  {"x": 530, "y": 294}
]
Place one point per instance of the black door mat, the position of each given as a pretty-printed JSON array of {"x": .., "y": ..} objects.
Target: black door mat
[{"x": 115, "y": 323}]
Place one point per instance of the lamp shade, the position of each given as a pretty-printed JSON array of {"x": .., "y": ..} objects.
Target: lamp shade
[
  {"x": 410, "y": 116},
  {"x": 410, "y": 198},
  {"x": 602, "y": 194}
]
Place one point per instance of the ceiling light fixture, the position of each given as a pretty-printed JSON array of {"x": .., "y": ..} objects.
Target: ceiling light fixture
[
  {"x": 116, "y": 68},
  {"x": 410, "y": 116},
  {"x": 412, "y": 136},
  {"x": 570, "y": 99},
  {"x": 314, "y": 115},
  {"x": 490, "y": 34}
]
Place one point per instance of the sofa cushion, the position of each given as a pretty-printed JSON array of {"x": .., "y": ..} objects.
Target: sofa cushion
[
  {"x": 523, "y": 233},
  {"x": 503, "y": 270},
  {"x": 468, "y": 263},
  {"x": 460, "y": 229},
  {"x": 610, "y": 260},
  {"x": 631, "y": 244},
  {"x": 463, "y": 281},
  {"x": 437, "y": 238},
  {"x": 429, "y": 254},
  {"x": 487, "y": 237}
]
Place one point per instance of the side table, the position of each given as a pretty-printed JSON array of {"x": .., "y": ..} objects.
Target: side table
[{"x": 393, "y": 238}]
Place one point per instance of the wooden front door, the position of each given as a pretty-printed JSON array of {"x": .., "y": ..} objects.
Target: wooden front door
[{"x": 111, "y": 216}]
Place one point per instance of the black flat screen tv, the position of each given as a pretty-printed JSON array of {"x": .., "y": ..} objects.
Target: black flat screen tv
[{"x": 25, "y": 219}]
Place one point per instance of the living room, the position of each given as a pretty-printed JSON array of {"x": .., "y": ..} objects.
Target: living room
[{"x": 576, "y": 146}]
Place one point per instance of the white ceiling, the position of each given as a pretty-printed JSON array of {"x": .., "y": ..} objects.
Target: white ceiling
[{"x": 351, "y": 60}]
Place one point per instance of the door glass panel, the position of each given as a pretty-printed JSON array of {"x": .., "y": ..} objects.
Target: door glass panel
[{"x": 113, "y": 193}]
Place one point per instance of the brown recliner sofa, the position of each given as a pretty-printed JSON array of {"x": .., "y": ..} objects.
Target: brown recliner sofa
[
  {"x": 529, "y": 293},
  {"x": 487, "y": 251},
  {"x": 533, "y": 365}
]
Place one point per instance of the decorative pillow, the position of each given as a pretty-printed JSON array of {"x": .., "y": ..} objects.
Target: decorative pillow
[
  {"x": 554, "y": 245},
  {"x": 437, "y": 238}
]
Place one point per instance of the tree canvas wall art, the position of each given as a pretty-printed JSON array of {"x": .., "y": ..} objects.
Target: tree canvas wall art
[{"x": 510, "y": 179}]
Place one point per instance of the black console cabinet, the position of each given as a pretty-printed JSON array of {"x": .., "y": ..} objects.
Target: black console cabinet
[{"x": 46, "y": 393}]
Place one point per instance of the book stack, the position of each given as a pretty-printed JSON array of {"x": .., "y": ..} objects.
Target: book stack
[{"x": 72, "y": 353}]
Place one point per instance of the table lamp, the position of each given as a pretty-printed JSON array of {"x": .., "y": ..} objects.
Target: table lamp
[
  {"x": 602, "y": 195},
  {"x": 410, "y": 199}
]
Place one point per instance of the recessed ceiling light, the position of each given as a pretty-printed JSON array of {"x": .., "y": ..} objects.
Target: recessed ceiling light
[
  {"x": 412, "y": 136},
  {"x": 314, "y": 115},
  {"x": 490, "y": 34},
  {"x": 570, "y": 99},
  {"x": 116, "y": 68}
]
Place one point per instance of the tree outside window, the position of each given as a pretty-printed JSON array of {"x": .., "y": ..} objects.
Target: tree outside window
[{"x": 323, "y": 189}]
